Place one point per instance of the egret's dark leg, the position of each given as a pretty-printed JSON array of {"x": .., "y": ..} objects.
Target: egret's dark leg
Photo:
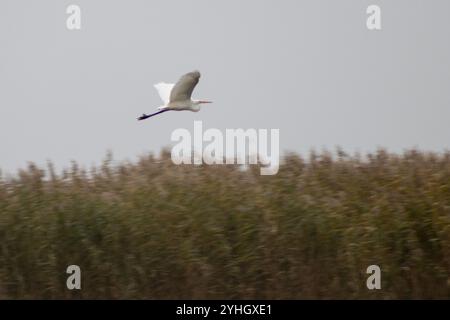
[{"x": 146, "y": 116}]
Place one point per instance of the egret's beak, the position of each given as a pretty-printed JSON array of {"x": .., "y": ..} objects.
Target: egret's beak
[{"x": 205, "y": 101}]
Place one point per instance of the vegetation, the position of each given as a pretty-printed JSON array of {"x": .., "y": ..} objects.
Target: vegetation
[{"x": 154, "y": 230}]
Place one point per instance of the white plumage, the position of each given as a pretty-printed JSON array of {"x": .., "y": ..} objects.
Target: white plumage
[
  {"x": 164, "y": 90},
  {"x": 177, "y": 97}
]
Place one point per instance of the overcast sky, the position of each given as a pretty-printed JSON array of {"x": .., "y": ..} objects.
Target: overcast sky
[{"x": 309, "y": 68}]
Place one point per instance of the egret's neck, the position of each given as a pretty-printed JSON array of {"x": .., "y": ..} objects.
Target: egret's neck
[{"x": 195, "y": 105}]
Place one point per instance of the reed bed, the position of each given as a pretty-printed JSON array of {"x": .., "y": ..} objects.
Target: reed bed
[{"x": 154, "y": 230}]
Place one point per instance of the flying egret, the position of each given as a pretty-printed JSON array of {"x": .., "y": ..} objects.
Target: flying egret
[{"x": 177, "y": 97}]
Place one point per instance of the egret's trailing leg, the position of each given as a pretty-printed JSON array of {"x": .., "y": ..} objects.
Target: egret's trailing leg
[{"x": 146, "y": 116}]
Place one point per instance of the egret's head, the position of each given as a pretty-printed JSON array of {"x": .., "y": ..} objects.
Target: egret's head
[{"x": 202, "y": 101}]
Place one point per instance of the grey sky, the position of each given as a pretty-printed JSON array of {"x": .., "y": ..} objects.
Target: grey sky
[{"x": 310, "y": 68}]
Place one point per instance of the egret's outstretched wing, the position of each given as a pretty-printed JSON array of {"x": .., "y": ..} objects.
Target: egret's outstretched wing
[
  {"x": 185, "y": 86},
  {"x": 164, "y": 90}
]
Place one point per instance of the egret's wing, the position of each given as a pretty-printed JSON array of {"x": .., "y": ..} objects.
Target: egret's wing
[
  {"x": 185, "y": 86},
  {"x": 164, "y": 90}
]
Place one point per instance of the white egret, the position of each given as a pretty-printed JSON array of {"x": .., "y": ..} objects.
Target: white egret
[{"x": 177, "y": 97}]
